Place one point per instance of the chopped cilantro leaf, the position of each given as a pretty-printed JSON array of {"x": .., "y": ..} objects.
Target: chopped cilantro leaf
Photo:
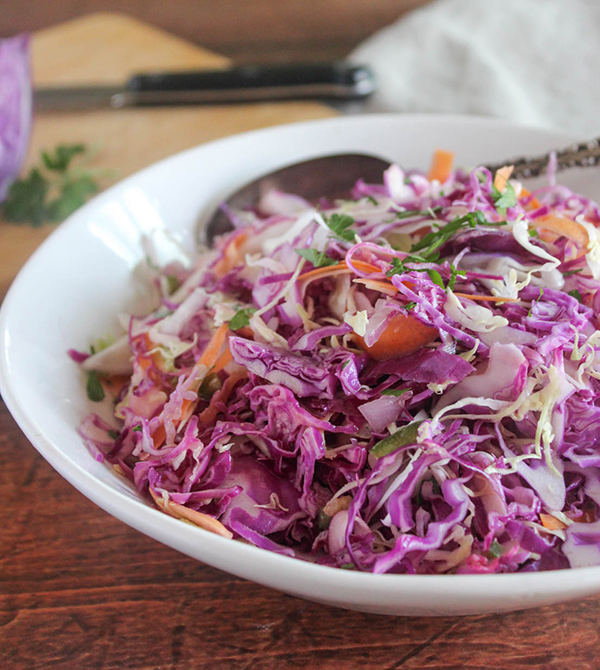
[
  {"x": 93, "y": 388},
  {"x": 533, "y": 232},
  {"x": 340, "y": 225},
  {"x": 568, "y": 273},
  {"x": 137, "y": 429},
  {"x": 63, "y": 155},
  {"x": 410, "y": 305},
  {"x": 454, "y": 273},
  {"x": 372, "y": 200},
  {"x": 429, "y": 244},
  {"x": 505, "y": 199},
  {"x": 113, "y": 434},
  {"x": 241, "y": 318},
  {"x": 25, "y": 201},
  {"x": 575, "y": 294},
  {"x": 394, "y": 392},
  {"x": 51, "y": 191},
  {"x": 436, "y": 278},
  {"x": 318, "y": 258}
]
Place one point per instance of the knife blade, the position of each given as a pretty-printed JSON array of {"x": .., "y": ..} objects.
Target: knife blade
[{"x": 248, "y": 83}]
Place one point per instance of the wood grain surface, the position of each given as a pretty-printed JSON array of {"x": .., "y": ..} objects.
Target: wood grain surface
[
  {"x": 80, "y": 590},
  {"x": 106, "y": 48}
]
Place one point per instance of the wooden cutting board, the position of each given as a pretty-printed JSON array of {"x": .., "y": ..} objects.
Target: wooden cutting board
[{"x": 107, "y": 48}]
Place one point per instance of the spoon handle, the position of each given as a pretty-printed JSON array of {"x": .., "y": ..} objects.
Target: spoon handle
[{"x": 586, "y": 154}]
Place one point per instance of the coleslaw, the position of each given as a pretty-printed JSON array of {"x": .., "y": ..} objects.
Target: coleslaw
[{"x": 404, "y": 382}]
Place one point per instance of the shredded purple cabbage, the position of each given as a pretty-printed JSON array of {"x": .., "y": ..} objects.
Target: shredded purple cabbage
[{"x": 416, "y": 391}]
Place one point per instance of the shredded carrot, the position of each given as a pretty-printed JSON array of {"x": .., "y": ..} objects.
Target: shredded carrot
[
  {"x": 231, "y": 255},
  {"x": 331, "y": 270},
  {"x": 222, "y": 361},
  {"x": 534, "y": 203},
  {"x": 222, "y": 395},
  {"x": 502, "y": 176},
  {"x": 486, "y": 298},
  {"x": 376, "y": 284},
  {"x": 403, "y": 335},
  {"x": 587, "y": 516},
  {"x": 197, "y": 518},
  {"x": 209, "y": 359},
  {"x": 551, "y": 522},
  {"x": 563, "y": 227},
  {"x": 113, "y": 384},
  {"x": 441, "y": 165}
]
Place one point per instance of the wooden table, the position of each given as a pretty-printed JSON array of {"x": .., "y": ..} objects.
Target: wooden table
[{"x": 78, "y": 589}]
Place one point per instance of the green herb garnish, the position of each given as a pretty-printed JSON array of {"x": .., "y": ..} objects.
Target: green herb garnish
[
  {"x": 394, "y": 392},
  {"x": 241, "y": 318},
  {"x": 340, "y": 225},
  {"x": 93, "y": 388},
  {"x": 137, "y": 429},
  {"x": 454, "y": 273},
  {"x": 113, "y": 434},
  {"x": 51, "y": 191},
  {"x": 410, "y": 305},
  {"x": 496, "y": 550},
  {"x": 504, "y": 199},
  {"x": 568, "y": 273},
  {"x": 436, "y": 278},
  {"x": 318, "y": 258},
  {"x": 575, "y": 294},
  {"x": 403, "y": 436},
  {"x": 533, "y": 304}
]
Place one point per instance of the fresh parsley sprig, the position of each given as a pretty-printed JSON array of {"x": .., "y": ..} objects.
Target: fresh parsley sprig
[
  {"x": 340, "y": 225},
  {"x": 318, "y": 258},
  {"x": 241, "y": 318},
  {"x": 504, "y": 199},
  {"x": 51, "y": 191}
]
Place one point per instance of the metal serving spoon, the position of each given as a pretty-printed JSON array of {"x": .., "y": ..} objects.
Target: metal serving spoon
[{"x": 334, "y": 176}]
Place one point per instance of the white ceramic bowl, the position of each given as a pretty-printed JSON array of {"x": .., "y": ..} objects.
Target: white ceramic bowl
[{"x": 72, "y": 288}]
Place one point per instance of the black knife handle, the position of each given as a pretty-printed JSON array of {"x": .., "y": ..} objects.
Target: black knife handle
[{"x": 245, "y": 83}]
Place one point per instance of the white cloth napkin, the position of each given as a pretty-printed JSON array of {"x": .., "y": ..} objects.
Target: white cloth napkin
[{"x": 532, "y": 61}]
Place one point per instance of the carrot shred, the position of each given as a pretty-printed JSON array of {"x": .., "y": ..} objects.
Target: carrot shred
[
  {"x": 209, "y": 359},
  {"x": 376, "y": 284},
  {"x": 197, "y": 518},
  {"x": 534, "y": 203},
  {"x": 502, "y": 176},
  {"x": 402, "y": 336},
  {"x": 222, "y": 395},
  {"x": 441, "y": 165},
  {"x": 231, "y": 255},
  {"x": 563, "y": 227},
  {"x": 331, "y": 270},
  {"x": 551, "y": 522}
]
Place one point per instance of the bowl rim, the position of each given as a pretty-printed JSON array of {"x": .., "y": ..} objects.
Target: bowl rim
[{"x": 141, "y": 516}]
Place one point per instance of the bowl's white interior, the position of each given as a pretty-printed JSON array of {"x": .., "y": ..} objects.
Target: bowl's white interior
[{"x": 73, "y": 287}]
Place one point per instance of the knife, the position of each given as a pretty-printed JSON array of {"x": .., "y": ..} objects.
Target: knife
[{"x": 336, "y": 80}]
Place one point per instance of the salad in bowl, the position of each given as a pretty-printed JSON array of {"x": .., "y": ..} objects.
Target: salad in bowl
[{"x": 406, "y": 381}]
